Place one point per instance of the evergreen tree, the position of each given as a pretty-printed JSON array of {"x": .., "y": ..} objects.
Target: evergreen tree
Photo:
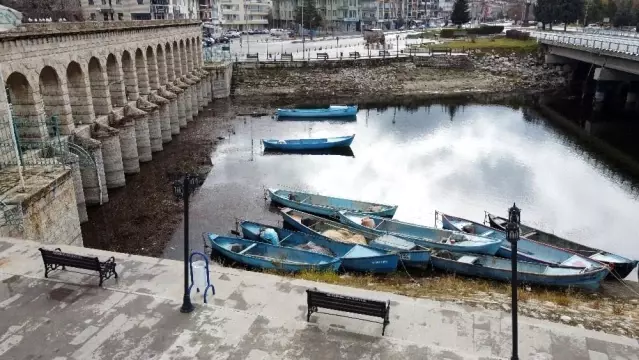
[
  {"x": 594, "y": 11},
  {"x": 569, "y": 10},
  {"x": 312, "y": 17},
  {"x": 623, "y": 16},
  {"x": 460, "y": 14},
  {"x": 544, "y": 12}
]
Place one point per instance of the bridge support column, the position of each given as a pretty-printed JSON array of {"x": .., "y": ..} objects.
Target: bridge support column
[
  {"x": 631, "y": 96},
  {"x": 111, "y": 153},
  {"x": 93, "y": 179},
  {"x": 77, "y": 184},
  {"x": 209, "y": 93},
  {"x": 171, "y": 94},
  {"x": 603, "y": 88},
  {"x": 186, "y": 103},
  {"x": 142, "y": 138},
  {"x": 128, "y": 144},
  {"x": 192, "y": 98},
  {"x": 155, "y": 130},
  {"x": 165, "y": 118},
  {"x": 197, "y": 97}
]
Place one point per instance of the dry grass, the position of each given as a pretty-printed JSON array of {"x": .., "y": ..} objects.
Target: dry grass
[{"x": 498, "y": 44}]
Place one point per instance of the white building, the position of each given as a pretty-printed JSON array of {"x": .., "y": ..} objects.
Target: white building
[
  {"x": 243, "y": 14},
  {"x": 338, "y": 15}
]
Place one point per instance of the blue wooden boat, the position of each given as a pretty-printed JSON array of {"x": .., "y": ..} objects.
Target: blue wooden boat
[
  {"x": 267, "y": 256},
  {"x": 410, "y": 254},
  {"x": 327, "y": 205},
  {"x": 496, "y": 268},
  {"x": 308, "y": 144},
  {"x": 527, "y": 250},
  {"x": 329, "y": 112},
  {"x": 423, "y": 235},
  {"x": 619, "y": 266},
  {"x": 355, "y": 257}
]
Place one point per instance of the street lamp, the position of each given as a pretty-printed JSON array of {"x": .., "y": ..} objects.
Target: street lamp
[
  {"x": 512, "y": 235},
  {"x": 397, "y": 40},
  {"x": 183, "y": 187}
]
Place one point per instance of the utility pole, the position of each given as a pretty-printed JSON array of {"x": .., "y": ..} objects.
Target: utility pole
[{"x": 303, "y": 37}]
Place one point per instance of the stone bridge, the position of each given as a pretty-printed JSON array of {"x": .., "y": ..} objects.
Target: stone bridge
[{"x": 119, "y": 90}]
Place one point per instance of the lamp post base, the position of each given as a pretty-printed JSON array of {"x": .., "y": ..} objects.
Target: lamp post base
[{"x": 187, "y": 306}]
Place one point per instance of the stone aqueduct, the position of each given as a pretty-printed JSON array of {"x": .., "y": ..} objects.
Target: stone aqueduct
[{"x": 119, "y": 90}]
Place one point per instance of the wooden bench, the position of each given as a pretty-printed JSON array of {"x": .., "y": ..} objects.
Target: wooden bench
[
  {"x": 322, "y": 56},
  {"x": 354, "y": 55},
  {"x": 384, "y": 53},
  {"x": 53, "y": 259},
  {"x": 286, "y": 57},
  {"x": 320, "y": 299},
  {"x": 255, "y": 57}
]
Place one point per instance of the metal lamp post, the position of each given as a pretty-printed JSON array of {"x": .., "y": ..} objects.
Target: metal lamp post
[
  {"x": 397, "y": 40},
  {"x": 182, "y": 189},
  {"x": 512, "y": 235}
]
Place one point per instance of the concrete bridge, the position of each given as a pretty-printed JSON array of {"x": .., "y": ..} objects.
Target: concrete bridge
[
  {"x": 615, "y": 60},
  {"x": 117, "y": 91}
]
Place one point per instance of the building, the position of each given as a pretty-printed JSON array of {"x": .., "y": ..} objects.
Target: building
[
  {"x": 244, "y": 14},
  {"x": 113, "y": 10},
  {"x": 338, "y": 15},
  {"x": 206, "y": 10}
]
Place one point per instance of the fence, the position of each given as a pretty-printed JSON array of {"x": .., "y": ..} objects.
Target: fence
[
  {"x": 37, "y": 142},
  {"x": 616, "y": 46}
]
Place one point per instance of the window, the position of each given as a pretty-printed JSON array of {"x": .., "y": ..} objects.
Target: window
[
  {"x": 90, "y": 2},
  {"x": 103, "y": 2},
  {"x": 118, "y": 2},
  {"x": 92, "y": 17},
  {"x": 106, "y": 17},
  {"x": 120, "y": 16},
  {"x": 140, "y": 2}
]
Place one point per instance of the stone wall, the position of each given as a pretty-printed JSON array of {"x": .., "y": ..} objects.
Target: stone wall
[{"x": 50, "y": 216}]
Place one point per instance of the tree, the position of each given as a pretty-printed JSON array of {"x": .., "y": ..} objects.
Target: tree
[
  {"x": 312, "y": 17},
  {"x": 460, "y": 14},
  {"x": 399, "y": 22},
  {"x": 514, "y": 11},
  {"x": 624, "y": 15},
  {"x": 594, "y": 11},
  {"x": 544, "y": 12},
  {"x": 569, "y": 11},
  {"x": 43, "y": 9},
  {"x": 610, "y": 10}
]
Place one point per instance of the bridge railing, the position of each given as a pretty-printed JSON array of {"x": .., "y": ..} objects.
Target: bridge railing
[
  {"x": 592, "y": 43},
  {"x": 630, "y": 34}
]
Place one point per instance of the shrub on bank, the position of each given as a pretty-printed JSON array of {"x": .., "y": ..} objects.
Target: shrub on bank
[
  {"x": 482, "y": 30},
  {"x": 518, "y": 35}
]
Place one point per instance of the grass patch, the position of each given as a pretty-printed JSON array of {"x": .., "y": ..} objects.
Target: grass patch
[{"x": 501, "y": 44}]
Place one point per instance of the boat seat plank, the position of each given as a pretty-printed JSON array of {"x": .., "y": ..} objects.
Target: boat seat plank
[
  {"x": 359, "y": 251},
  {"x": 466, "y": 259},
  {"x": 287, "y": 236},
  {"x": 305, "y": 199},
  {"x": 247, "y": 249},
  {"x": 380, "y": 224},
  {"x": 529, "y": 234}
]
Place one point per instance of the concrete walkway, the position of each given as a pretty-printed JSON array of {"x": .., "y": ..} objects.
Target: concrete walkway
[{"x": 251, "y": 316}]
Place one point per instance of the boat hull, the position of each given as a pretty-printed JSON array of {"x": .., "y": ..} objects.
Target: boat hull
[
  {"x": 354, "y": 257},
  {"x": 412, "y": 258},
  {"x": 590, "y": 280},
  {"x": 620, "y": 267},
  {"x": 333, "y": 205},
  {"x": 488, "y": 247},
  {"x": 308, "y": 144},
  {"x": 330, "y": 112},
  {"x": 278, "y": 256}
]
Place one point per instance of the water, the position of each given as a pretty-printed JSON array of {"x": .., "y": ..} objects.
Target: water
[{"x": 458, "y": 160}]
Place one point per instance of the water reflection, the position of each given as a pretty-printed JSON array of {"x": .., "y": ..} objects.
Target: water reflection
[
  {"x": 458, "y": 159},
  {"x": 340, "y": 151}
]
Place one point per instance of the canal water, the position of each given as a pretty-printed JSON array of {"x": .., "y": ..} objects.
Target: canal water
[{"x": 460, "y": 160}]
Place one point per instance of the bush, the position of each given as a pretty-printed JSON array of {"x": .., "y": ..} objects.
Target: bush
[
  {"x": 485, "y": 30},
  {"x": 452, "y": 33},
  {"x": 518, "y": 35}
]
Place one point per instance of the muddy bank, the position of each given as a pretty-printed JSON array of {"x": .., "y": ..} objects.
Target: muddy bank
[
  {"x": 141, "y": 217},
  {"x": 423, "y": 79}
]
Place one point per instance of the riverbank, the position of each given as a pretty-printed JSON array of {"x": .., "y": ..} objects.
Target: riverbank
[{"x": 424, "y": 78}]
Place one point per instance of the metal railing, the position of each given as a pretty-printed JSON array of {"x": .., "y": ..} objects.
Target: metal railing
[
  {"x": 614, "y": 46},
  {"x": 606, "y": 32}
]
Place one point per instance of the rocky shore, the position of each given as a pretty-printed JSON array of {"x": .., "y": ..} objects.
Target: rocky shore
[{"x": 423, "y": 78}]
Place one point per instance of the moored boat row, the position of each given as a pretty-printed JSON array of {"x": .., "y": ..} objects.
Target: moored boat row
[{"x": 366, "y": 239}]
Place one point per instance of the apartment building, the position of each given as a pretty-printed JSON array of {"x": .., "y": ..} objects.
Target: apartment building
[
  {"x": 338, "y": 15},
  {"x": 243, "y": 14},
  {"x": 114, "y": 10}
]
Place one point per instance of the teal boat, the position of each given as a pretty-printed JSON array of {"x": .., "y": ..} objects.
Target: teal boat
[
  {"x": 332, "y": 111},
  {"x": 355, "y": 257},
  {"x": 327, "y": 205},
  {"x": 410, "y": 254},
  {"x": 267, "y": 256},
  {"x": 426, "y": 236},
  {"x": 308, "y": 144}
]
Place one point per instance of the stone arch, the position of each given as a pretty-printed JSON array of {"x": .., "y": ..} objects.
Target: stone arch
[
  {"x": 99, "y": 90},
  {"x": 27, "y": 107},
  {"x": 177, "y": 61},
  {"x": 189, "y": 55},
  {"x": 170, "y": 70},
  {"x": 54, "y": 99},
  {"x": 115, "y": 81},
  {"x": 130, "y": 77},
  {"x": 79, "y": 99},
  {"x": 152, "y": 68},
  {"x": 183, "y": 59},
  {"x": 161, "y": 60},
  {"x": 143, "y": 75}
]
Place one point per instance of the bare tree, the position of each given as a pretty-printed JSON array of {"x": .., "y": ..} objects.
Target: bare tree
[{"x": 44, "y": 9}]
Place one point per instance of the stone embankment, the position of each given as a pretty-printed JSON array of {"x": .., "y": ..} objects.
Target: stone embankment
[{"x": 423, "y": 77}]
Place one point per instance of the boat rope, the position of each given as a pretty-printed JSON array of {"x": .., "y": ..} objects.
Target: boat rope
[
  {"x": 407, "y": 273},
  {"x": 623, "y": 282}
]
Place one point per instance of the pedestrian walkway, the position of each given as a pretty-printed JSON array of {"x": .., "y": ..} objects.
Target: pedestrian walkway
[{"x": 251, "y": 316}]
